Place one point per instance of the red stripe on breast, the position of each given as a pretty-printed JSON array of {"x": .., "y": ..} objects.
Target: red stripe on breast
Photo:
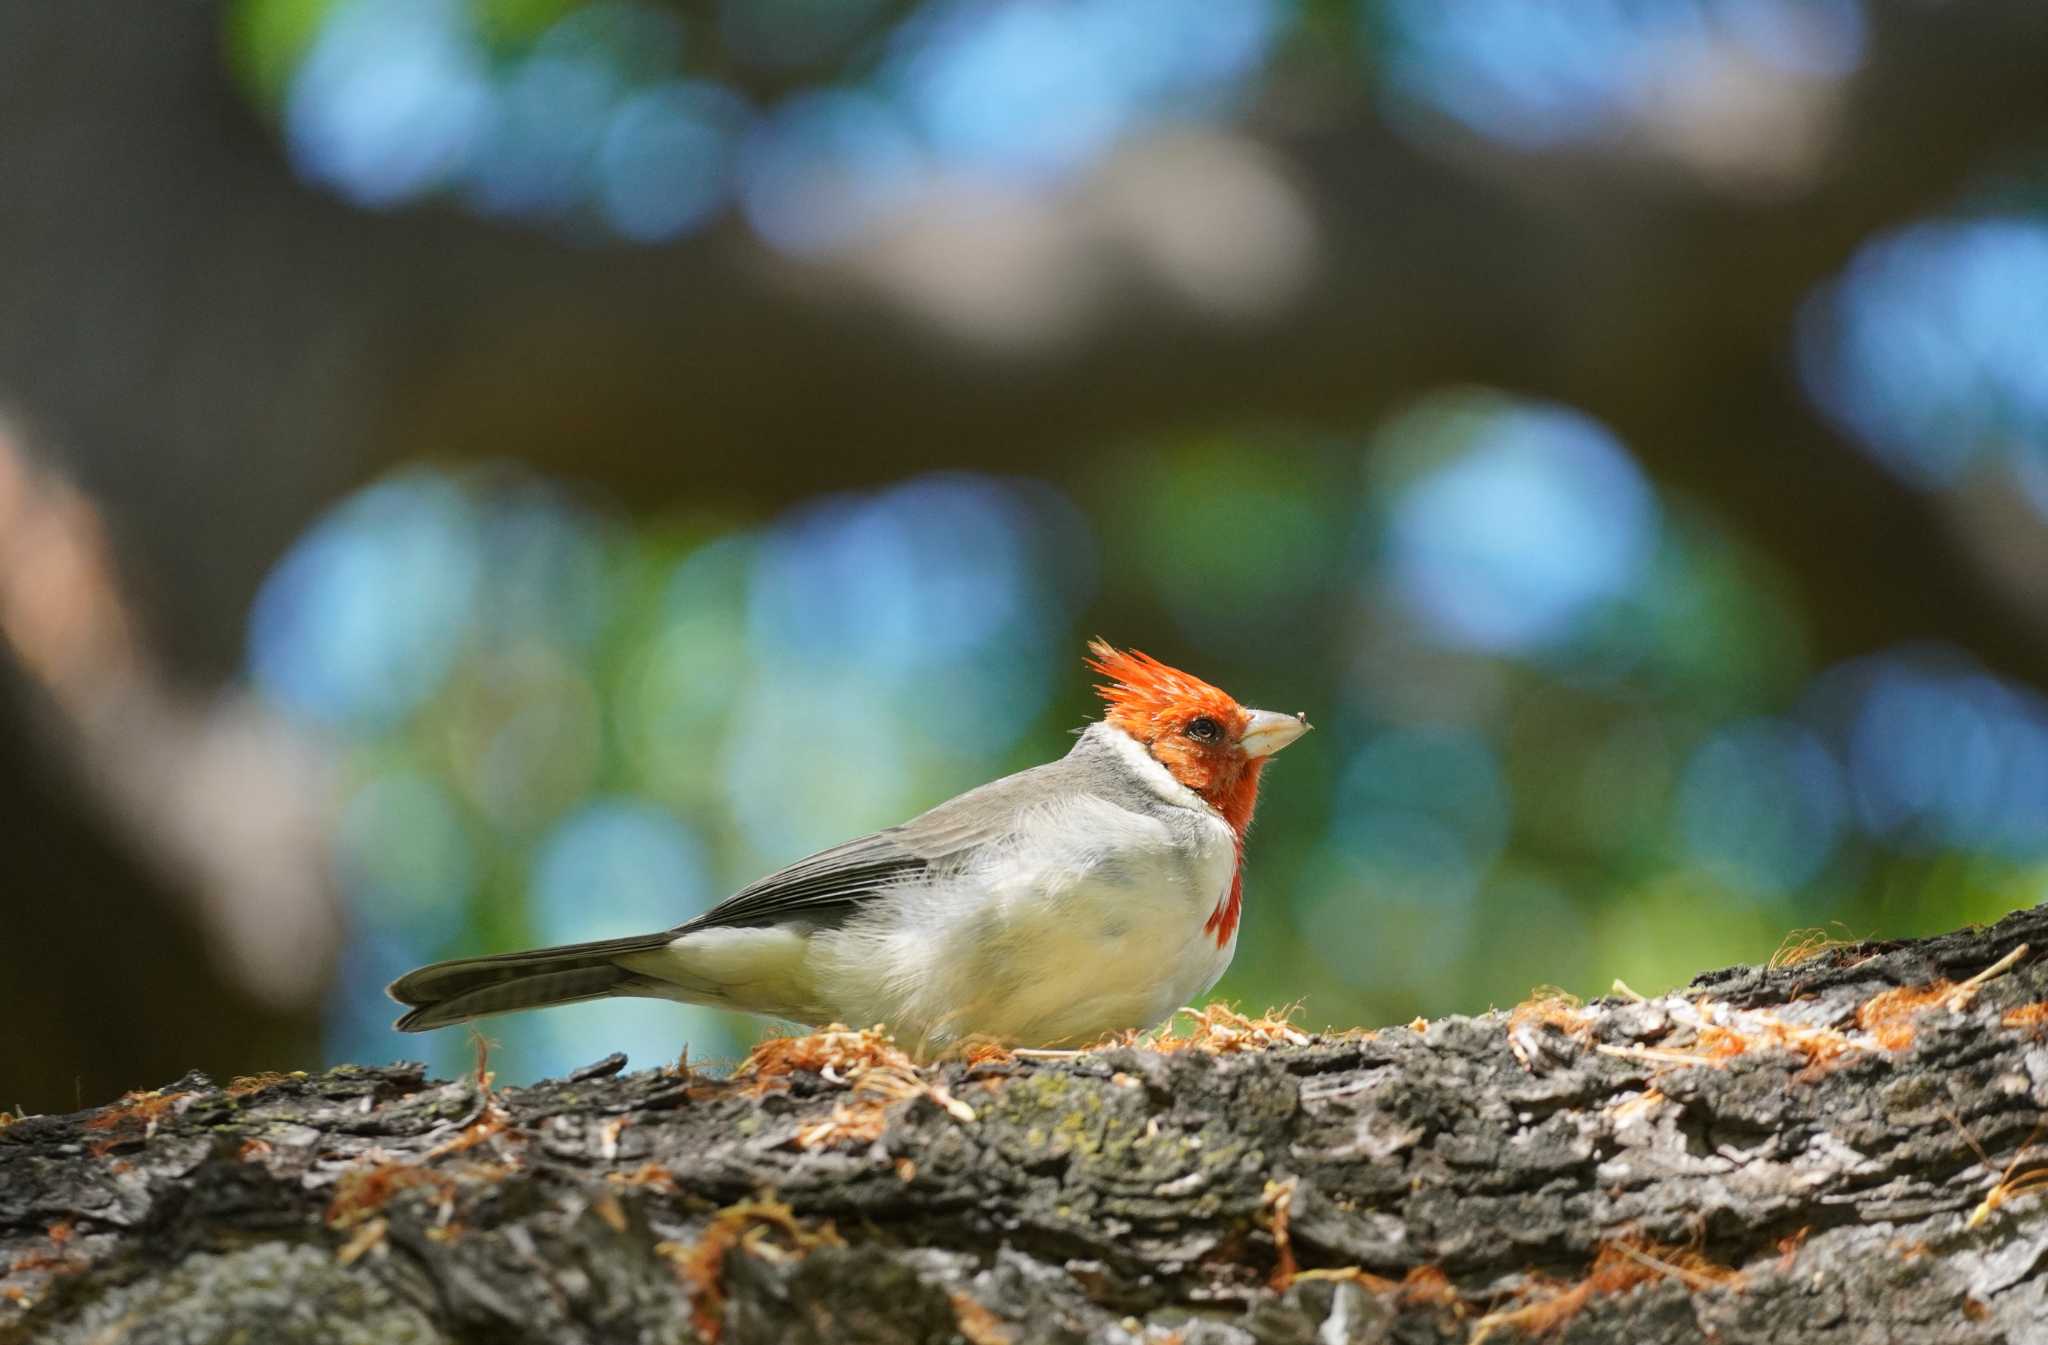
[
  {"x": 1235, "y": 802},
  {"x": 1222, "y": 921}
]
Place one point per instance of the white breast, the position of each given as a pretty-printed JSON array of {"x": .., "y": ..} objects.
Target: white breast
[{"x": 1091, "y": 921}]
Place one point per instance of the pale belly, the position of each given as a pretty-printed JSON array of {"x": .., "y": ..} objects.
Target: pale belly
[
  {"x": 1106, "y": 935},
  {"x": 1062, "y": 986},
  {"x": 1052, "y": 960}
]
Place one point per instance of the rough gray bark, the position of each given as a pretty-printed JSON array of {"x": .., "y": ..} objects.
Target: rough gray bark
[{"x": 1832, "y": 1150}]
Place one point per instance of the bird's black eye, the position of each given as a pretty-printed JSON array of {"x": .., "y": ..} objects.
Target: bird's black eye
[{"x": 1204, "y": 729}]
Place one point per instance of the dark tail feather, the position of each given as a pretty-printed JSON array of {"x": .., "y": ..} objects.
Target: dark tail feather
[{"x": 472, "y": 987}]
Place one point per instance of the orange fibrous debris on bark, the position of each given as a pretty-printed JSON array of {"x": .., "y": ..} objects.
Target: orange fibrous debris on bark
[
  {"x": 866, "y": 1061},
  {"x": 765, "y": 1227},
  {"x": 146, "y": 1108},
  {"x": 849, "y": 1125},
  {"x": 1721, "y": 1033},
  {"x": 1222, "y": 1030},
  {"x": 608, "y": 1136},
  {"x": 248, "y": 1085},
  {"x": 2030, "y": 1017},
  {"x": 134, "y": 1117},
  {"x": 1358, "y": 1275},
  {"x": 363, "y": 1192},
  {"x": 489, "y": 1126},
  {"x": 836, "y": 1052},
  {"x": 1886, "y": 1022},
  {"x": 1721, "y": 1042},
  {"x": 481, "y": 1045},
  {"x": 1421, "y": 1287},
  {"x": 2012, "y": 1183},
  {"x": 56, "y": 1261},
  {"x": 1620, "y": 1266},
  {"x": 366, "y": 1239},
  {"x": 607, "y": 1208},
  {"x": 1803, "y": 945},
  {"x": 979, "y": 1325},
  {"x": 1430, "y": 1287},
  {"x": 1888, "y": 1015},
  {"x": 984, "y": 1051},
  {"x": 1278, "y": 1202},
  {"x": 2010, "y": 1188},
  {"x": 1635, "y": 1106},
  {"x": 1548, "y": 1006},
  {"x": 647, "y": 1174}
]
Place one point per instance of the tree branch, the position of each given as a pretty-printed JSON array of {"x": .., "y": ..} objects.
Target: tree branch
[{"x": 1839, "y": 1149}]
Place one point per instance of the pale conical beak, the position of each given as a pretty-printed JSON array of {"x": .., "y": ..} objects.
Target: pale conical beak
[{"x": 1269, "y": 732}]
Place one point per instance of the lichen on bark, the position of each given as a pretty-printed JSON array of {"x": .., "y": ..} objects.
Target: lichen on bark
[{"x": 1840, "y": 1149}]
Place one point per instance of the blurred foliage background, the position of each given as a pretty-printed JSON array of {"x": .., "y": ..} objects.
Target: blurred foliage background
[{"x": 490, "y": 472}]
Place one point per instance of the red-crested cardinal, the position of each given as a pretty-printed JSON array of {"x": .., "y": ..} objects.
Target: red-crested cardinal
[{"x": 1050, "y": 908}]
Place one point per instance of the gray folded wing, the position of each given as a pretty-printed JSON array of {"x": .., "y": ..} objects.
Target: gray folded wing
[
  {"x": 829, "y": 887},
  {"x": 824, "y": 889}
]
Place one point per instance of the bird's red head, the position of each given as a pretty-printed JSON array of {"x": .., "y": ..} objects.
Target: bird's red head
[{"x": 1199, "y": 732}]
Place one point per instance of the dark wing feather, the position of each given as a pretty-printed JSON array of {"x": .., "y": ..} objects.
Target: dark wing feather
[
  {"x": 824, "y": 888},
  {"x": 830, "y": 886}
]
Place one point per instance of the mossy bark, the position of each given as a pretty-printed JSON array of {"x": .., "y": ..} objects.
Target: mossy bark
[{"x": 1835, "y": 1150}]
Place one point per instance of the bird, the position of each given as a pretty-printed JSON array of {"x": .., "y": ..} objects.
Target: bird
[{"x": 1096, "y": 893}]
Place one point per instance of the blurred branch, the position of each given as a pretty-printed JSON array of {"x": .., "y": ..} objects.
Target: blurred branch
[
  {"x": 209, "y": 340},
  {"x": 171, "y": 899},
  {"x": 112, "y": 963}
]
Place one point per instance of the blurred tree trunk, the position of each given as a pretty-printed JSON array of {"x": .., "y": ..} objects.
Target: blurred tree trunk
[
  {"x": 206, "y": 342},
  {"x": 1834, "y": 1150},
  {"x": 108, "y": 977}
]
